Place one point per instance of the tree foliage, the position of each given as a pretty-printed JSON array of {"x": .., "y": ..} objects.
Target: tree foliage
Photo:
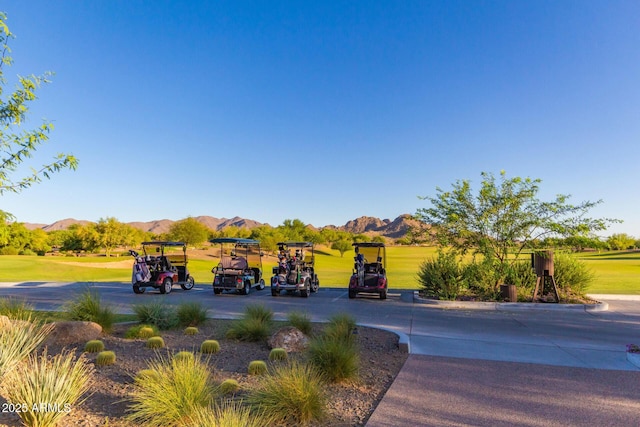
[
  {"x": 621, "y": 241},
  {"x": 503, "y": 218},
  {"x": 190, "y": 231},
  {"x": 17, "y": 144}
]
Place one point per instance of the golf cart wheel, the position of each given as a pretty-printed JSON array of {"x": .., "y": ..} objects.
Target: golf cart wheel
[
  {"x": 166, "y": 286},
  {"x": 307, "y": 289},
  {"x": 352, "y": 294},
  {"x": 383, "y": 294},
  {"x": 274, "y": 293},
  {"x": 247, "y": 287},
  {"x": 217, "y": 291},
  {"x": 261, "y": 285},
  {"x": 316, "y": 285},
  {"x": 188, "y": 284},
  {"x": 138, "y": 290}
]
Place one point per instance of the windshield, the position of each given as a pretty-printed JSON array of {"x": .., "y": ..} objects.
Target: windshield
[{"x": 372, "y": 254}]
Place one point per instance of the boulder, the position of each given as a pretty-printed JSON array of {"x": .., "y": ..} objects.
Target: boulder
[
  {"x": 73, "y": 332},
  {"x": 289, "y": 338}
]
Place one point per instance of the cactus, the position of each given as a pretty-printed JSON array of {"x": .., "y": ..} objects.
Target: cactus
[
  {"x": 94, "y": 346},
  {"x": 155, "y": 342},
  {"x": 105, "y": 358},
  {"x": 210, "y": 347},
  {"x": 257, "y": 367}
]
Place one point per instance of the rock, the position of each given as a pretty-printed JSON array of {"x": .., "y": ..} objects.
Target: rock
[
  {"x": 73, "y": 332},
  {"x": 289, "y": 338}
]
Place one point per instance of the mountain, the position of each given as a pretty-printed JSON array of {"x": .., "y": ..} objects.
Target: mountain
[
  {"x": 375, "y": 226},
  {"x": 63, "y": 224}
]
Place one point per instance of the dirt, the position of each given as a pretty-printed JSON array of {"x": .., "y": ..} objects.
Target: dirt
[{"x": 350, "y": 404}]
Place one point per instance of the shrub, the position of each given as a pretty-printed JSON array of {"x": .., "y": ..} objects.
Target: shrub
[
  {"x": 209, "y": 347},
  {"x": 94, "y": 346},
  {"x": 18, "y": 340},
  {"x": 156, "y": 313},
  {"x": 184, "y": 355},
  {"x": 278, "y": 354},
  {"x": 248, "y": 329},
  {"x": 191, "y": 330},
  {"x": 155, "y": 342},
  {"x": 180, "y": 388},
  {"x": 257, "y": 367},
  {"x": 258, "y": 312},
  {"x": 441, "y": 277},
  {"x": 300, "y": 321},
  {"x": 229, "y": 386},
  {"x": 571, "y": 275},
  {"x": 340, "y": 327},
  {"x": 60, "y": 380},
  {"x": 291, "y": 394},
  {"x": 88, "y": 307},
  {"x": 105, "y": 358},
  {"x": 229, "y": 414},
  {"x": 191, "y": 314},
  {"x": 14, "y": 308},
  {"x": 338, "y": 360}
]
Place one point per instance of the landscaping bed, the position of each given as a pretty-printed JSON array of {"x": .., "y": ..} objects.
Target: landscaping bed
[{"x": 349, "y": 404}]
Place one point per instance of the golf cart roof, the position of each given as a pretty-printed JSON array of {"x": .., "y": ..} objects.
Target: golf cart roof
[
  {"x": 296, "y": 244},
  {"x": 164, "y": 243},
  {"x": 369, "y": 244},
  {"x": 235, "y": 241}
]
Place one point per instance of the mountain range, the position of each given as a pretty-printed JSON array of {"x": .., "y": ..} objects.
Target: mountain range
[{"x": 363, "y": 225}]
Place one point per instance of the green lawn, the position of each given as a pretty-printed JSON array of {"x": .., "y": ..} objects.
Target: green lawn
[{"x": 616, "y": 272}]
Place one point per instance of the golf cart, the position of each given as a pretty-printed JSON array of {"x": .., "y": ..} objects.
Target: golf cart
[
  {"x": 159, "y": 267},
  {"x": 295, "y": 273},
  {"x": 240, "y": 268},
  {"x": 369, "y": 271}
]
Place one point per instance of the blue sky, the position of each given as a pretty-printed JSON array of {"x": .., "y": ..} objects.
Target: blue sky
[{"x": 326, "y": 111}]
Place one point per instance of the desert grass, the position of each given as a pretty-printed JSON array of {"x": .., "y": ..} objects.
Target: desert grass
[
  {"x": 88, "y": 307},
  {"x": 191, "y": 314},
  {"x": 15, "y": 308},
  {"x": 228, "y": 414},
  {"x": 161, "y": 315},
  {"x": 17, "y": 340},
  {"x": 300, "y": 321}
]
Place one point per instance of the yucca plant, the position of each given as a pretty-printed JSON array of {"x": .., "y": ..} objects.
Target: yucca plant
[
  {"x": 17, "y": 340},
  {"x": 191, "y": 330},
  {"x": 105, "y": 358},
  {"x": 155, "y": 342},
  {"x": 89, "y": 307},
  {"x": 228, "y": 414},
  {"x": 300, "y": 321},
  {"x": 291, "y": 394},
  {"x": 191, "y": 314},
  {"x": 209, "y": 347},
  {"x": 278, "y": 354},
  {"x": 184, "y": 355},
  {"x": 48, "y": 387},
  {"x": 94, "y": 346},
  {"x": 180, "y": 388},
  {"x": 229, "y": 386},
  {"x": 257, "y": 367}
]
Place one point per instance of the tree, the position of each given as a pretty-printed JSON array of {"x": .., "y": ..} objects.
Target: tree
[
  {"x": 190, "y": 231},
  {"x": 341, "y": 246},
  {"x": 111, "y": 233},
  {"x": 621, "y": 241},
  {"x": 17, "y": 144},
  {"x": 503, "y": 219}
]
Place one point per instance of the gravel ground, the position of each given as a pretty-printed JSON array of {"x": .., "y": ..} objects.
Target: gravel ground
[{"x": 350, "y": 404}]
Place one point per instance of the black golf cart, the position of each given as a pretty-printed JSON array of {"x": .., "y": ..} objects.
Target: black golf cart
[{"x": 240, "y": 266}]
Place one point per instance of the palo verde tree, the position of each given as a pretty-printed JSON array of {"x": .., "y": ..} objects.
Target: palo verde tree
[
  {"x": 504, "y": 218},
  {"x": 190, "y": 231},
  {"x": 16, "y": 143}
]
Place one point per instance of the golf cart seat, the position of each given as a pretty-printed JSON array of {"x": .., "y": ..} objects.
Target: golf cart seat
[
  {"x": 234, "y": 263},
  {"x": 373, "y": 267}
]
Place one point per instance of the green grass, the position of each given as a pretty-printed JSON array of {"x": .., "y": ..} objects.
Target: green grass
[{"x": 616, "y": 272}]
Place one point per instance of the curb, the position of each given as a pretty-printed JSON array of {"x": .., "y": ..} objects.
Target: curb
[
  {"x": 510, "y": 306},
  {"x": 634, "y": 359}
]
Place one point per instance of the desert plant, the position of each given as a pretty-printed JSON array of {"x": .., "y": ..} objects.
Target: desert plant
[
  {"x": 155, "y": 342},
  {"x": 572, "y": 275},
  {"x": 229, "y": 386},
  {"x": 183, "y": 355},
  {"x": 191, "y": 314},
  {"x": 340, "y": 327},
  {"x": 209, "y": 347},
  {"x": 88, "y": 307},
  {"x": 191, "y": 330},
  {"x": 257, "y": 367},
  {"x": 147, "y": 373},
  {"x": 278, "y": 354},
  {"x": 441, "y": 277},
  {"x": 337, "y": 359},
  {"x": 105, "y": 358},
  {"x": 181, "y": 387},
  {"x": 291, "y": 394},
  {"x": 228, "y": 414},
  {"x": 259, "y": 312},
  {"x": 48, "y": 387},
  {"x": 300, "y": 321},
  {"x": 94, "y": 346},
  {"x": 141, "y": 331},
  {"x": 156, "y": 313},
  {"x": 15, "y": 308},
  {"x": 248, "y": 329},
  {"x": 17, "y": 340}
]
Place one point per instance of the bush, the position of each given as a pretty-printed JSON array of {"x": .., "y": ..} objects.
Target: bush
[
  {"x": 180, "y": 388},
  {"x": 248, "y": 329},
  {"x": 88, "y": 307},
  {"x": 292, "y": 394},
  {"x": 258, "y": 312},
  {"x": 572, "y": 276},
  {"x": 60, "y": 380},
  {"x": 191, "y": 314},
  {"x": 337, "y": 359},
  {"x": 257, "y": 367},
  {"x": 17, "y": 341},
  {"x": 229, "y": 386},
  {"x": 300, "y": 321},
  {"x": 156, "y": 313},
  {"x": 209, "y": 347},
  {"x": 141, "y": 331},
  {"x": 94, "y": 346},
  {"x": 105, "y": 358},
  {"x": 441, "y": 277},
  {"x": 155, "y": 342},
  {"x": 229, "y": 414},
  {"x": 191, "y": 330},
  {"x": 278, "y": 354},
  {"x": 15, "y": 309},
  {"x": 340, "y": 328}
]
